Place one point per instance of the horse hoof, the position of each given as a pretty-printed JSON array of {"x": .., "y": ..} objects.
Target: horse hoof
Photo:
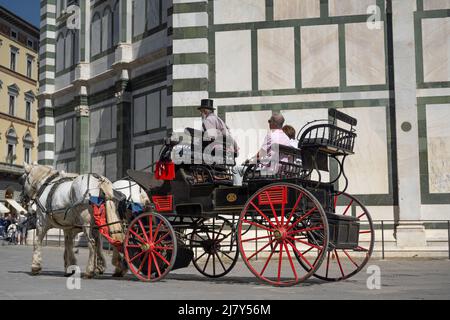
[
  {"x": 35, "y": 271},
  {"x": 88, "y": 276}
]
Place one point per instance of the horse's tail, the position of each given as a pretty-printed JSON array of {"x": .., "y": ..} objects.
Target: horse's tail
[{"x": 112, "y": 216}]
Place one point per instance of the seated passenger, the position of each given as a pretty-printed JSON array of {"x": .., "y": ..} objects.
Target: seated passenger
[
  {"x": 274, "y": 136},
  {"x": 290, "y": 132}
]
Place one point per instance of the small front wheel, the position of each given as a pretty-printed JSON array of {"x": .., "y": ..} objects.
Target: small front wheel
[
  {"x": 150, "y": 247},
  {"x": 213, "y": 242}
]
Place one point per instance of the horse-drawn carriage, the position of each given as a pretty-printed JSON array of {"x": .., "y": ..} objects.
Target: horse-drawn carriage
[{"x": 286, "y": 226}]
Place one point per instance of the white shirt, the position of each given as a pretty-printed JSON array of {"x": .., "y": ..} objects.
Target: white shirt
[
  {"x": 214, "y": 126},
  {"x": 294, "y": 143},
  {"x": 275, "y": 136}
]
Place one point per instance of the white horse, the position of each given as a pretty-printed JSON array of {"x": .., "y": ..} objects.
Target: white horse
[
  {"x": 132, "y": 191},
  {"x": 63, "y": 202}
]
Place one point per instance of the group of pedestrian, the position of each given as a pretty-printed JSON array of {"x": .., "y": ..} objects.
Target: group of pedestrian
[{"x": 14, "y": 228}]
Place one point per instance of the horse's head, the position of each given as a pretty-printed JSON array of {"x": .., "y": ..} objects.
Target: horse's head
[{"x": 33, "y": 178}]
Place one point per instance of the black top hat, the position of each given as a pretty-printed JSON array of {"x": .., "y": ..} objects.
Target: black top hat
[{"x": 207, "y": 104}]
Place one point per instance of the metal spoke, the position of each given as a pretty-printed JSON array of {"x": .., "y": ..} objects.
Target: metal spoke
[
  {"x": 206, "y": 264},
  {"x": 263, "y": 215},
  {"x": 300, "y": 254},
  {"x": 280, "y": 259},
  {"x": 257, "y": 225},
  {"x": 271, "y": 206},
  {"x": 220, "y": 260},
  {"x": 138, "y": 236},
  {"x": 339, "y": 263},
  {"x": 143, "y": 230},
  {"x": 138, "y": 255},
  {"x": 162, "y": 258},
  {"x": 258, "y": 238},
  {"x": 303, "y": 217},
  {"x": 293, "y": 209},
  {"x": 156, "y": 264},
  {"x": 348, "y": 256},
  {"x": 268, "y": 244},
  {"x": 290, "y": 261}
]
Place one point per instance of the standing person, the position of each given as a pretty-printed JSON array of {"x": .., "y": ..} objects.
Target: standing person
[
  {"x": 2, "y": 227},
  {"x": 214, "y": 127},
  {"x": 21, "y": 228},
  {"x": 290, "y": 132}
]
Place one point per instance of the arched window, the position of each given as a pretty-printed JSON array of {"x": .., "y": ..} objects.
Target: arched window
[
  {"x": 28, "y": 144},
  {"x": 68, "y": 55},
  {"x": 106, "y": 29},
  {"x": 116, "y": 24},
  {"x": 11, "y": 141},
  {"x": 60, "y": 52},
  {"x": 96, "y": 31}
]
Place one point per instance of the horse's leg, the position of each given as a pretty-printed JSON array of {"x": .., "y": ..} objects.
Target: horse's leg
[
  {"x": 69, "y": 255},
  {"x": 88, "y": 232},
  {"x": 119, "y": 263},
  {"x": 42, "y": 228},
  {"x": 100, "y": 260}
]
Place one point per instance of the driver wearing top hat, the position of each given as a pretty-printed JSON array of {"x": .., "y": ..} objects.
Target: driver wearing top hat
[{"x": 213, "y": 125}]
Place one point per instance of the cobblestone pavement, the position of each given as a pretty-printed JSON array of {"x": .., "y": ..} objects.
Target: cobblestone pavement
[{"x": 400, "y": 279}]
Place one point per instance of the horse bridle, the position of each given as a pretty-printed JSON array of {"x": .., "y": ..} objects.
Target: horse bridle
[{"x": 35, "y": 191}]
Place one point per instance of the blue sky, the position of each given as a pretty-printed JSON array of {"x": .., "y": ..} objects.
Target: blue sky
[{"x": 26, "y": 9}]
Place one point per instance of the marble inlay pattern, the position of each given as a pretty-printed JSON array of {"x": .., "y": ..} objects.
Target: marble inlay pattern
[
  {"x": 276, "y": 58},
  {"x": 436, "y": 49},
  {"x": 239, "y": 11},
  {"x": 233, "y": 61},
  {"x": 320, "y": 56},
  {"x": 438, "y": 142},
  {"x": 295, "y": 9},
  {"x": 365, "y": 55},
  {"x": 349, "y": 7},
  {"x": 367, "y": 169},
  {"x": 249, "y": 129},
  {"x": 436, "y": 4}
]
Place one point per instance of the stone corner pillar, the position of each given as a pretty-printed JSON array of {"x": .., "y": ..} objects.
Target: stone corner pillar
[
  {"x": 123, "y": 102},
  {"x": 82, "y": 130},
  {"x": 410, "y": 232}
]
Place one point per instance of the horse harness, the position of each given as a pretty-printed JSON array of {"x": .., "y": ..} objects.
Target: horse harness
[{"x": 55, "y": 184}]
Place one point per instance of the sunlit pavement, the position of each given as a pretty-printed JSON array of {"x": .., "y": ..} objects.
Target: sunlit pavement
[{"x": 400, "y": 279}]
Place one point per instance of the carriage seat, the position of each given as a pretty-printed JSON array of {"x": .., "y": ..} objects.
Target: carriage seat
[
  {"x": 201, "y": 141},
  {"x": 328, "y": 138}
]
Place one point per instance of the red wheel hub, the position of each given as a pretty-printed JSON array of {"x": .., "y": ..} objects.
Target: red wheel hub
[{"x": 280, "y": 234}]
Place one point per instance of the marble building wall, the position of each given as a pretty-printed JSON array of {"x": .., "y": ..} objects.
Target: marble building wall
[{"x": 300, "y": 57}]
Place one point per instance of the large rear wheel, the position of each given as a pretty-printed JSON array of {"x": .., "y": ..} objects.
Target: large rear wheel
[
  {"x": 341, "y": 264},
  {"x": 278, "y": 223}
]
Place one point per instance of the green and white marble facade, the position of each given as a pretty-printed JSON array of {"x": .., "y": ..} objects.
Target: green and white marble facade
[{"x": 255, "y": 57}]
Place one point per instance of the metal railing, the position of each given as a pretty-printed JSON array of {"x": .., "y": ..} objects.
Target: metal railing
[{"x": 380, "y": 227}]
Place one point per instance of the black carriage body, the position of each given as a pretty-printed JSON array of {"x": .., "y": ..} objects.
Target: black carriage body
[{"x": 197, "y": 193}]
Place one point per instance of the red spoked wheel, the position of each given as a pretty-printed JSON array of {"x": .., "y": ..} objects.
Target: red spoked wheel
[
  {"x": 150, "y": 247},
  {"x": 278, "y": 223},
  {"x": 214, "y": 244},
  {"x": 341, "y": 264}
]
